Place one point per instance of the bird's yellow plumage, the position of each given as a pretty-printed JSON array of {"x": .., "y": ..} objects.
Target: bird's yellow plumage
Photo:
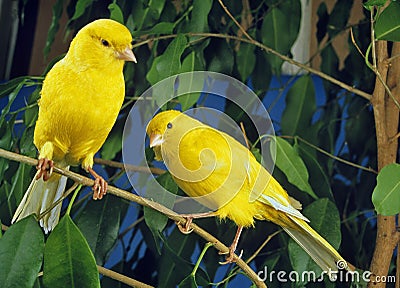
[
  {"x": 80, "y": 101},
  {"x": 212, "y": 165}
]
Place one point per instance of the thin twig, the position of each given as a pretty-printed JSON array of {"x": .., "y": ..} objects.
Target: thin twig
[
  {"x": 65, "y": 195},
  {"x": 271, "y": 51},
  {"x": 245, "y": 135},
  {"x": 251, "y": 258},
  {"x": 369, "y": 169},
  {"x": 353, "y": 40},
  {"x": 387, "y": 89},
  {"x": 374, "y": 63},
  {"x": 123, "y": 233},
  {"x": 145, "y": 202},
  {"x": 129, "y": 167},
  {"x": 122, "y": 278},
  {"x": 373, "y": 39},
  {"x": 391, "y": 59},
  {"x": 234, "y": 20}
]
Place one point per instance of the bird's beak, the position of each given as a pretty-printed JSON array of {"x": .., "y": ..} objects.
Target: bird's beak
[
  {"x": 156, "y": 140},
  {"x": 126, "y": 55}
]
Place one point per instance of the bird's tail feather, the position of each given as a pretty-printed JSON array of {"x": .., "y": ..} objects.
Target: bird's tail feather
[
  {"x": 39, "y": 197},
  {"x": 317, "y": 247}
]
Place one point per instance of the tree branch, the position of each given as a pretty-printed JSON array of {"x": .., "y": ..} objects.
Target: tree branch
[
  {"x": 145, "y": 202},
  {"x": 386, "y": 125},
  {"x": 122, "y": 278},
  {"x": 267, "y": 49},
  {"x": 243, "y": 31},
  {"x": 129, "y": 167}
]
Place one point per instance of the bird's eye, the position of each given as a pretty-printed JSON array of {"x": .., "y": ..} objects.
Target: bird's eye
[
  {"x": 169, "y": 125},
  {"x": 105, "y": 43}
]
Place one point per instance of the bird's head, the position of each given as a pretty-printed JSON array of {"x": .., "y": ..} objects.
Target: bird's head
[
  {"x": 102, "y": 43},
  {"x": 159, "y": 124},
  {"x": 167, "y": 129}
]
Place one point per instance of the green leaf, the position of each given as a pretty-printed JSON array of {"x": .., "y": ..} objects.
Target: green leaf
[
  {"x": 156, "y": 7},
  {"x": 324, "y": 218},
  {"x": 31, "y": 113},
  {"x": 68, "y": 261},
  {"x": 300, "y": 107},
  {"x": 262, "y": 72},
  {"x": 169, "y": 62},
  {"x": 246, "y": 60},
  {"x": 358, "y": 118},
  {"x": 174, "y": 265},
  {"x": 51, "y": 34},
  {"x": 188, "y": 282},
  {"x": 20, "y": 183},
  {"x": 323, "y": 16},
  {"x": 222, "y": 59},
  {"x": 286, "y": 14},
  {"x": 116, "y": 12},
  {"x": 387, "y": 25},
  {"x": 99, "y": 222},
  {"x": 6, "y": 142},
  {"x": 386, "y": 195},
  {"x": 159, "y": 28},
  {"x": 290, "y": 163},
  {"x": 113, "y": 144},
  {"x": 189, "y": 84},
  {"x": 80, "y": 8},
  {"x": 199, "y": 16},
  {"x": 6, "y": 208},
  {"x": 371, "y": 3},
  {"x": 7, "y": 87},
  {"x": 11, "y": 98},
  {"x": 339, "y": 17},
  {"x": 329, "y": 65},
  {"x": 318, "y": 178},
  {"x": 154, "y": 219},
  {"x": 21, "y": 254},
  {"x": 27, "y": 147}
]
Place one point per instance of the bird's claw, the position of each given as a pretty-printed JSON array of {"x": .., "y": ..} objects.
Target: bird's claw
[
  {"x": 185, "y": 229},
  {"x": 231, "y": 256},
  {"x": 45, "y": 168},
  {"x": 99, "y": 188},
  {"x": 100, "y": 185}
]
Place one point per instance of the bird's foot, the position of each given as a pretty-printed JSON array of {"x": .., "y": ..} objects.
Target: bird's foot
[
  {"x": 100, "y": 185},
  {"x": 230, "y": 258},
  {"x": 231, "y": 252},
  {"x": 45, "y": 169},
  {"x": 185, "y": 228}
]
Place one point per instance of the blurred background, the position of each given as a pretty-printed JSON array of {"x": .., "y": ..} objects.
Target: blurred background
[{"x": 24, "y": 26}]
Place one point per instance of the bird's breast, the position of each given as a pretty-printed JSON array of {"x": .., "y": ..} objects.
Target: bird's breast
[{"x": 77, "y": 110}]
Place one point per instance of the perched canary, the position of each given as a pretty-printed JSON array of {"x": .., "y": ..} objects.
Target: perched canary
[
  {"x": 210, "y": 164},
  {"x": 80, "y": 101}
]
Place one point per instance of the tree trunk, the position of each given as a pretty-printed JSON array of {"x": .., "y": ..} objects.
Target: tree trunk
[{"x": 386, "y": 123}]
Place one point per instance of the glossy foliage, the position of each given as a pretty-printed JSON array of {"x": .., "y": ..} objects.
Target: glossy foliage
[{"x": 315, "y": 124}]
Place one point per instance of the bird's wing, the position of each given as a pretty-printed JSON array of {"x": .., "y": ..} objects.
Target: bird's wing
[
  {"x": 216, "y": 163},
  {"x": 265, "y": 189}
]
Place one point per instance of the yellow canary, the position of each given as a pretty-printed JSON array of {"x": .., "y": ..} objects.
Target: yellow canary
[
  {"x": 80, "y": 101},
  {"x": 210, "y": 164}
]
